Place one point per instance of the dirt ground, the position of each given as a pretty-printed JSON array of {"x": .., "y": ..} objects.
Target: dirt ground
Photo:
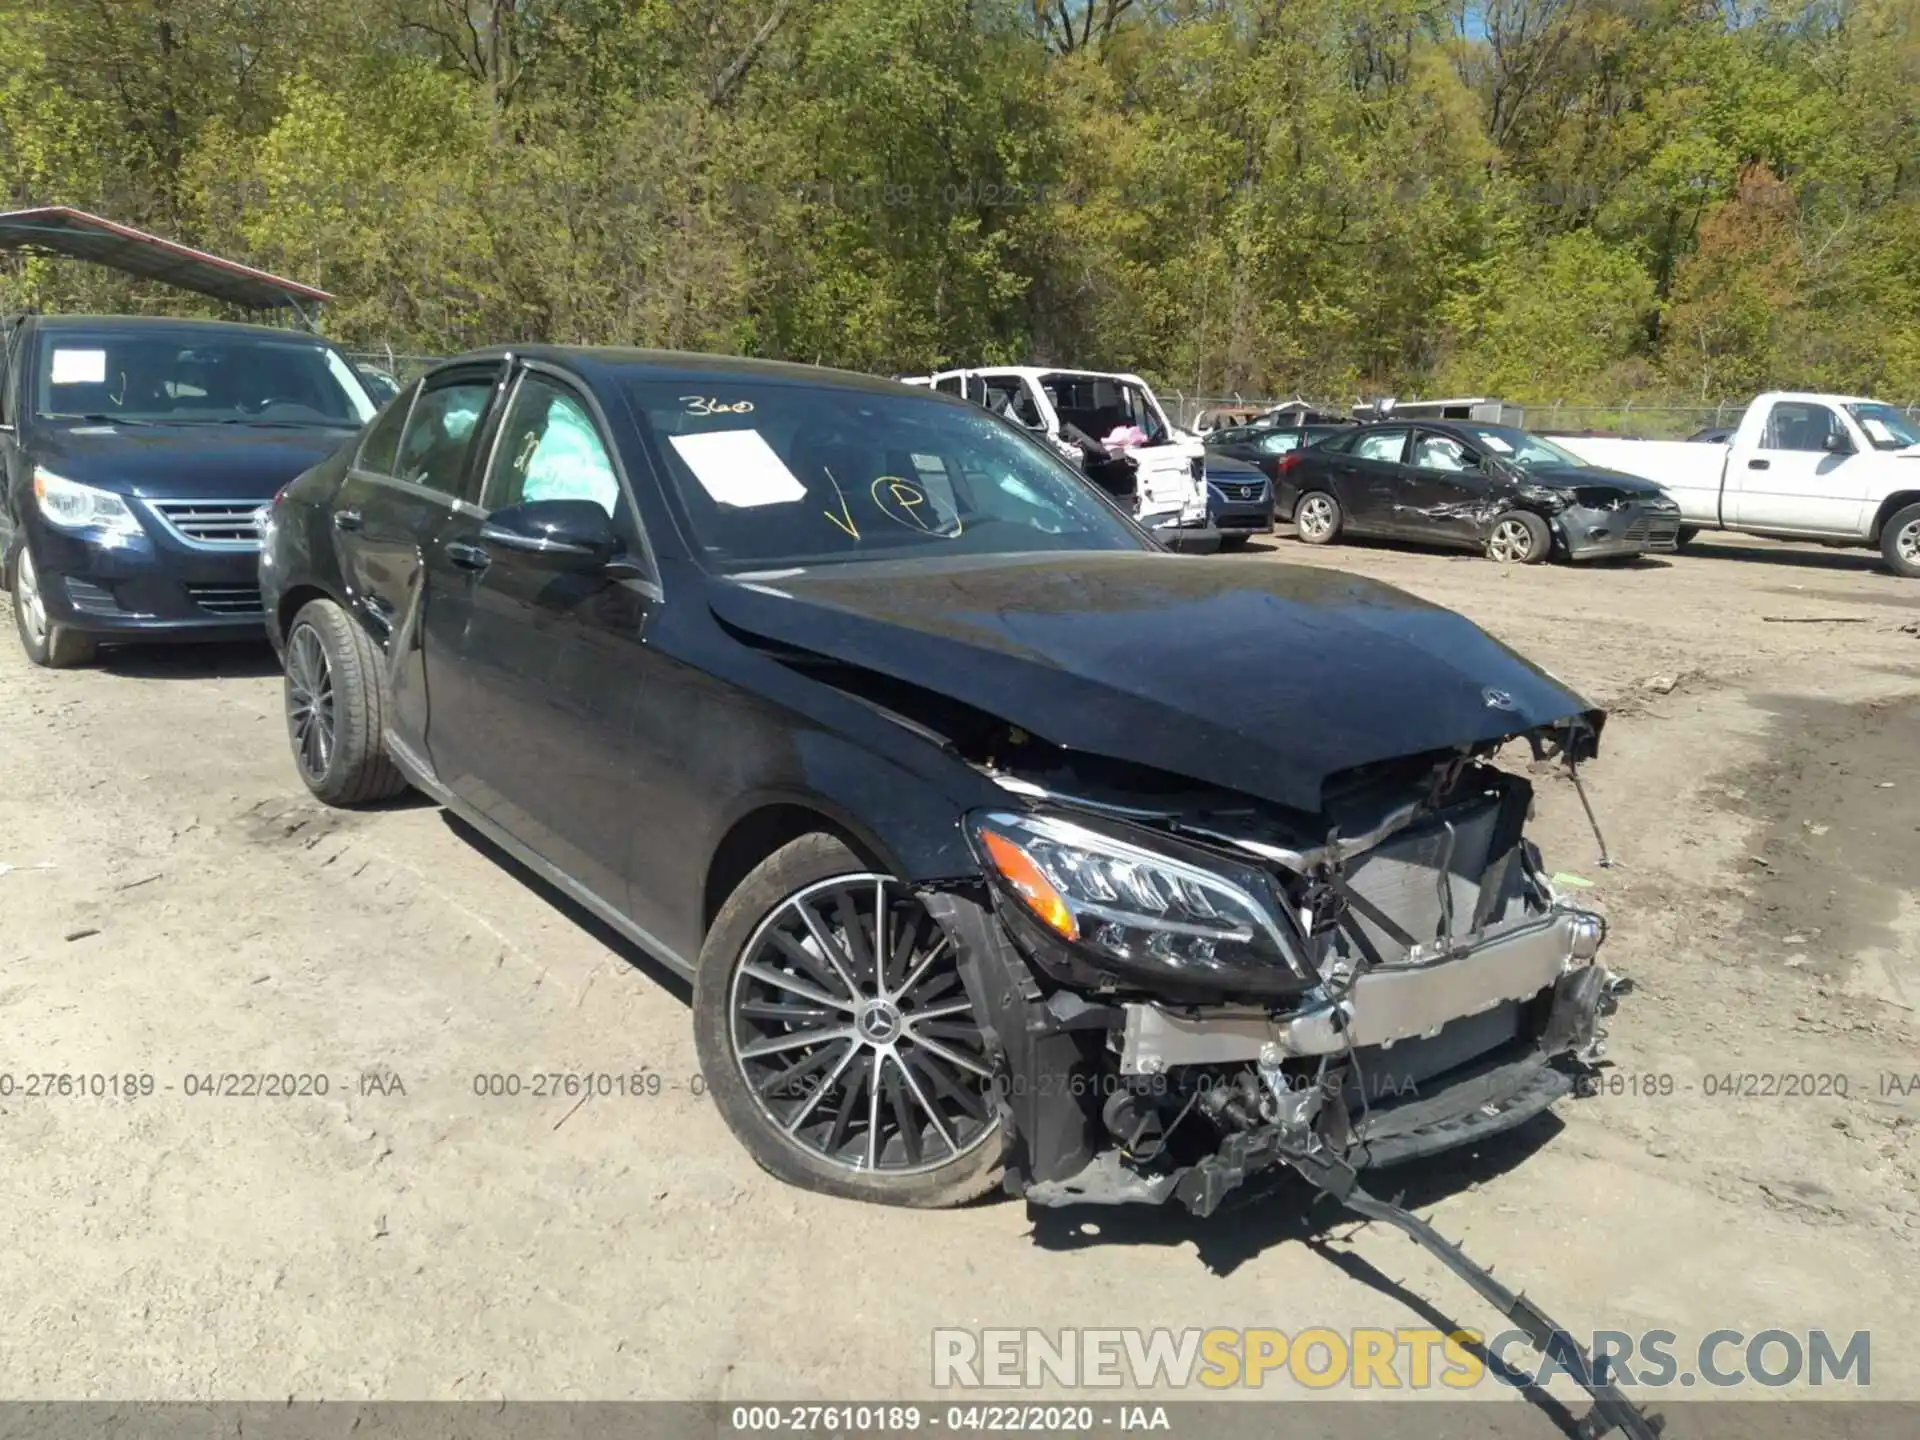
[{"x": 177, "y": 907}]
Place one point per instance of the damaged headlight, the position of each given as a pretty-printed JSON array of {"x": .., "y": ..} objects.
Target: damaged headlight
[
  {"x": 1145, "y": 910},
  {"x": 1546, "y": 497}
]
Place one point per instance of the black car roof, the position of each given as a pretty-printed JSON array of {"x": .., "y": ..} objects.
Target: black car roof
[{"x": 593, "y": 362}]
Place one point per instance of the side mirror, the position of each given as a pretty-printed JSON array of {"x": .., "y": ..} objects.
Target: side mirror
[
  {"x": 1838, "y": 444},
  {"x": 555, "y": 534}
]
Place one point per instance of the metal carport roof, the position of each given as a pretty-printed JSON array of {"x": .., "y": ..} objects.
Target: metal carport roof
[{"x": 62, "y": 230}]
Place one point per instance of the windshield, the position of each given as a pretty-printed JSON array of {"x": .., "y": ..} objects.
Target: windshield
[
  {"x": 1886, "y": 427},
  {"x": 184, "y": 378},
  {"x": 1098, "y": 405},
  {"x": 1524, "y": 450},
  {"x": 772, "y": 475}
]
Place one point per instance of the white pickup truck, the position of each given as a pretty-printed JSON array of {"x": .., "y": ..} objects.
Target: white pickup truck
[
  {"x": 1061, "y": 405},
  {"x": 1834, "y": 468}
]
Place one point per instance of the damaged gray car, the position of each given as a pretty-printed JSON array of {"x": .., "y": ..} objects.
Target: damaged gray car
[{"x": 1512, "y": 495}]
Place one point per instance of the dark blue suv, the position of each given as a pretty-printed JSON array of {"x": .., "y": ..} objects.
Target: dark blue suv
[{"x": 136, "y": 452}]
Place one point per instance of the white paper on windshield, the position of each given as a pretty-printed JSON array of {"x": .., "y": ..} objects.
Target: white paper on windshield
[
  {"x": 79, "y": 367},
  {"x": 1876, "y": 429},
  {"x": 739, "y": 468},
  {"x": 1494, "y": 442}
]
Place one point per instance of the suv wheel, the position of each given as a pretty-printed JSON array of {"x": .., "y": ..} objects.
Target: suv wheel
[
  {"x": 838, "y": 1037},
  {"x": 46, "y": 643},
  {"x": 334, "y": 699},
  {"x": 1900, "y": 542}
]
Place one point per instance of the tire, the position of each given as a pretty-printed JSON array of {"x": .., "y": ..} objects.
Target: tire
[
  {"x": 47, "y": 643},
  {"x": 1684, "y": 537},
  {"x": 1317, "y": 518},
  {"x": 1519, "y": 537},
  {"x": 335, "y": 697},
  {"x": 1900, "y": 542},
  {"x": 809, "y": 1125}
]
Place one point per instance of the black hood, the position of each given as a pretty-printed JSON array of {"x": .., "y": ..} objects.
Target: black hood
[
  {"x": 185, "y": 462},
  {"x": 1265, "y": 679},
  {"x": 1582, "y": 477}
]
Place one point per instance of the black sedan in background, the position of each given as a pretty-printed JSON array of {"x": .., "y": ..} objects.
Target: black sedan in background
[
  {"x": 136, "y": 452},
  {"x": 1460, "y": 484},
  {"x": 957, "y": 798},
  {"x": 1267, "y": 446}
]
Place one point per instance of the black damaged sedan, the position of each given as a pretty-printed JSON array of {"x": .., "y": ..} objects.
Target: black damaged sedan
[
  {"x": 1512, "y": 495},
  {"x": 871, "y": 717}
]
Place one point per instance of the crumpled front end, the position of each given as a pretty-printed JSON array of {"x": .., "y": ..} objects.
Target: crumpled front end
[
  {"x": 1211, "y": 994},
  {"x": 1603, "y": 522}
]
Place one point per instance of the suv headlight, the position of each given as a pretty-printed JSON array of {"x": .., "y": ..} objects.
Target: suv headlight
[
  {"x": 73, "y": 506},
  {"x": 1150, "y": 911}
]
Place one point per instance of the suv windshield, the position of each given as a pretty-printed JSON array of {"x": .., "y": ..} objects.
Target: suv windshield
[
  {"x": 1518, "y": 446},
  {"x": 1100, "y": 404},
  {"x": 772, "y": 475},
  {"x": 1886, "y": 427},
  {"x": 185, "y": 378}
]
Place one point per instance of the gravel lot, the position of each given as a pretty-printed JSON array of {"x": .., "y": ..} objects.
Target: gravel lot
[{"x": 177, "y": 907}]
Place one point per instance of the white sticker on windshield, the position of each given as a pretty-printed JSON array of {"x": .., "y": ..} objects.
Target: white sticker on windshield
[
  {"x": 1876, "y": 429},
  {"x": 79, "y": 367},
  {"x": 1494, "y": 442},
  {"x": 739, "y": 468}
]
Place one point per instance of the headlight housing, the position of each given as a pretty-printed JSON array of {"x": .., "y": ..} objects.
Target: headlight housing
[
  {"x": 1147, "y": 908},
  {"x": 69, "y": 505}
]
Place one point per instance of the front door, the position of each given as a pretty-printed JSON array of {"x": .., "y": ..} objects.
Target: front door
[
  {"x": 1806, "y": 475},
  {"x": 1375, "y": 494},
  {"x": 534, "y": 671},
  {"x": 1447, "y": 496}
]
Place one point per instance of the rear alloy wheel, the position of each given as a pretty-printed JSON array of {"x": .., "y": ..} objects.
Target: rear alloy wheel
[
  {"x": 839, "y": 1039},
  {"x": 1519, "y": 538},
  {"x": 45, "y": 642},
  {"x": 1316, "y": 519},
  {"x": 1900, "y": 542},
  {"x": 334, "y": 700}
]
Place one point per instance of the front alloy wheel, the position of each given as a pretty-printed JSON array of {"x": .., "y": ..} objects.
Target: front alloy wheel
[
  {"x": 46, "y": 643},
  {"x": 1519, "y": 538},
  {"x": 310, "y": 715},
  {"x": 839, "y": 1038}
]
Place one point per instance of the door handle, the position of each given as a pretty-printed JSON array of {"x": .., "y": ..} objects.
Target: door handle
[
  {"x": 465, "y": 555},
  {"x": 1758, "y": 464},
  {"x": 346, "y": 519}
]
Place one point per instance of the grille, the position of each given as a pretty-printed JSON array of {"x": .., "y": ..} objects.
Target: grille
[
  {"x": 1239, "y": 492},
  {"x": 1662, "y": 535},
  {"x": 1638, "y": 530},
  {"x": 91, "y": 599},
  {"x": 227, "y": 599},
  {"x": 226, "y": 523}
]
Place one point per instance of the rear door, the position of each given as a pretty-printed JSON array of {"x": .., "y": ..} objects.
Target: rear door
[
  {"x": 1808, "y": 473},
  {"x": 404, "y": 484},
  {"x": 535, "y": 672}
]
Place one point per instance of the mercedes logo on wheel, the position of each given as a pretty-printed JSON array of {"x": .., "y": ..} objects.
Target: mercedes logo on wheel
[{"x": 1497, "y": 699}]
